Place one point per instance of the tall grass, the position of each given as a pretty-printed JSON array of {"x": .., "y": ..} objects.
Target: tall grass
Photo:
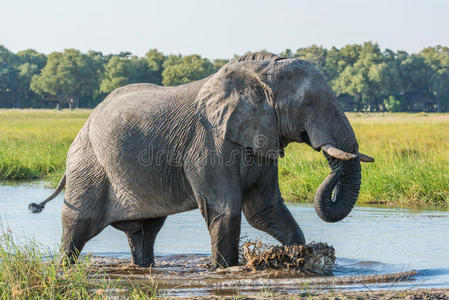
[
  {"x": 28, "y": 273},
  {"x": 411, "y": 151},
  {"x": 34, "y": 143},
  {"x": 411, "y": 168}
]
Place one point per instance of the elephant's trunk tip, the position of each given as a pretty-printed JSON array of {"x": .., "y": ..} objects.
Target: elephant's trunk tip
[{"x": 36, "y": 208}]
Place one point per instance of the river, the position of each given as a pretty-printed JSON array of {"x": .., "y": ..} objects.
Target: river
[{"x": 371, "y": 240}]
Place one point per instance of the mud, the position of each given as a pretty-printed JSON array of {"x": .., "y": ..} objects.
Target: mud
[
  {"x": 418, "y": 294},
  {"x": 190, "y": 275},
  {"x": 314, "y": 258}
]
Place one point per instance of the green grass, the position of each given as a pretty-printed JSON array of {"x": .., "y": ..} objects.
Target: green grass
[
  {"x": 411, "y": 168},
  {"x": 34, "y": 143},
  {"x": 411, "y": 151},
  {"x": 27, "y": 273}
]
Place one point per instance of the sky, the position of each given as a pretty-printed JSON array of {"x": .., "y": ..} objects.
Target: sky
[{"x": 220, "y": 29}]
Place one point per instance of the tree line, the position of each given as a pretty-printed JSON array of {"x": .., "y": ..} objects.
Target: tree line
[{"x": 363, "y": 76}]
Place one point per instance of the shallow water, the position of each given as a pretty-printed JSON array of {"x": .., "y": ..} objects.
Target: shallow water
[{"x": 369, "y": 241}]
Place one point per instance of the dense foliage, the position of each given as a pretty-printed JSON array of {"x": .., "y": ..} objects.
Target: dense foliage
[{"x": 363, "y": 76}]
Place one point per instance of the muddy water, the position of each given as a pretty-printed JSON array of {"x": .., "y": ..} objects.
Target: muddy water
[{"x": 371, "y": 241}]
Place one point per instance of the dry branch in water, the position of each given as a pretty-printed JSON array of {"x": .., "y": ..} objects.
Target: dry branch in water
[{"x": 317, "y": 258}]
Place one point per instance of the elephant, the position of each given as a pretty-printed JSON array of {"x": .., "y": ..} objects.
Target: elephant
[{"x": 147, "y": 152}]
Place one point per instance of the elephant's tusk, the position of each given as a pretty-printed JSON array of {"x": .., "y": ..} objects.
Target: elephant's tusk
[
  {"x": 337, "y": 153},
  {"x": 340, "y": 154},
  {"x": 365, "y": 158}
]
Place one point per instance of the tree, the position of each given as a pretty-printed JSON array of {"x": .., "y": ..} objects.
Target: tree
[
  {"x": 440, "y": 87},
  {"x": 287, "y": 53},
  {"x": 218, "y": 63},
  {"x": 68, "y": 75},
  {"x": 376, "y": 79},
  {"x": 155, "y": 61},
  {"x": 314, "y": 54},
  {"x": 179, "y": 70},
  {"x": 371, "y": 79},
  {"x": 99, "y": 57},
  {"x": 392, "y": 104},
  {"x": 414, "y": 74},
  {"x": 349, "y": 54},
  {"x": 30, "y": 63},
  {"x": 352, "y": 81},
  {"x": 332, "y": 65},
  {"x": 355, "y": 78},
  {"x": 8, "y": 77},
  {"x": 381, "y": 80},
  {"x": 121, "y": 71},
  {"x": 172, "y": 59},
  {"x": 437, "y": 59}
]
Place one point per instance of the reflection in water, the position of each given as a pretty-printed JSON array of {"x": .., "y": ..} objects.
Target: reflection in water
[{"x": 369, "y": 241}]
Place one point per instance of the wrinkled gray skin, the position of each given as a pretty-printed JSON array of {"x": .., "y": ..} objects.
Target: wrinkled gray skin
[{"x": 147, "y": 152}]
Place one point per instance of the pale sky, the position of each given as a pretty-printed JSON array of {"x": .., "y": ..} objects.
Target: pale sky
[{"x": 220, "y": 29}]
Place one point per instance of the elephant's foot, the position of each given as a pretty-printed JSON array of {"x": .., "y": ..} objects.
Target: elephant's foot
[
  {"x": 142, "y": 256},
  {"x": 225, "y": 236},
  {"x": 75, "y": 234}
]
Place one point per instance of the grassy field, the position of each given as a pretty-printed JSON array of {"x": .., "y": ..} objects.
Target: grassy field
[
  {"x": 411, "y": 151},
  {"x": 411, "y": 168}
]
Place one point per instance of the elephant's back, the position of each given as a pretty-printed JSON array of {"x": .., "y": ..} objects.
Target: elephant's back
[
  {"x": 135, "y": 87},
  {"x": 131, "y": 94},
  {"x": 133, "y": 133},
  {"x": 134, "y": 91},
  {"x": 145, "y": 98},
  {"x": 142, "y": 106}
]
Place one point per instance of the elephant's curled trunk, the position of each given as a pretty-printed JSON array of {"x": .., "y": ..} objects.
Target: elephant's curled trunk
[{"x": 337, "y": 194}]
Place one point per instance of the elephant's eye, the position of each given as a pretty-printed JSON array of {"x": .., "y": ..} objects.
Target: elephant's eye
[{"x": 307, "y": 101}]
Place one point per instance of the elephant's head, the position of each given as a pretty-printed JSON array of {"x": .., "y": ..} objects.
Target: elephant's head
[{"x": 264, "y": 102}]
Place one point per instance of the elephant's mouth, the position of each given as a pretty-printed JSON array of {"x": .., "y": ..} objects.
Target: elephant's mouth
[{"x": 304, "y": 138}]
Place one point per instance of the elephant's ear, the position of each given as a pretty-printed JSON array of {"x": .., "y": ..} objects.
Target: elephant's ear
[{"x": 237, "y": 106}]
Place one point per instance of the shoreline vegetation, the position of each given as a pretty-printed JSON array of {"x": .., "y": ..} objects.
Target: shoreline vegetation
[
  {"x": 28, "y": 273},
  {"x": 411, "y": 151}
]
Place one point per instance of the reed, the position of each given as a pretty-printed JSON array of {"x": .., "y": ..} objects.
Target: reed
[{"x": 28, "y": 273}]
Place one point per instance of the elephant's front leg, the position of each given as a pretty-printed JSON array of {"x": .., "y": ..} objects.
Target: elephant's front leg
[
  {"x": 265, "y": 210},
  {"x": 277, "y": 221},
  {"x": 223, "y": 217},
  {"x": 215, "y": 178}
]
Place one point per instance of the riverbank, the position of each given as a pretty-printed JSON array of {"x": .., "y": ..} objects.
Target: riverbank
[
  {"x": 411, "y": 151},
  {"x": 419, "y": 294},
  {"x": 26, "y": 273}
]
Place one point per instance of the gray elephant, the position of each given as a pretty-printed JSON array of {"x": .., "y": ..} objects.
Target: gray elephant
[{"x": 148, "y": 151}]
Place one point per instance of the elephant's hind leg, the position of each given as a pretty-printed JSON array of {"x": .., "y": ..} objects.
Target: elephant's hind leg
[
  {"x": 76, "y": 233},
  {"x": 141, "y": 237},
  {"x": 84, "y": 213},
  {"x": 83, "y": 216}
]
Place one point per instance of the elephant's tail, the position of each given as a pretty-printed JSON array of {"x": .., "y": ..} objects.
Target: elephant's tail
[{"x": 37, "y": 208}]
